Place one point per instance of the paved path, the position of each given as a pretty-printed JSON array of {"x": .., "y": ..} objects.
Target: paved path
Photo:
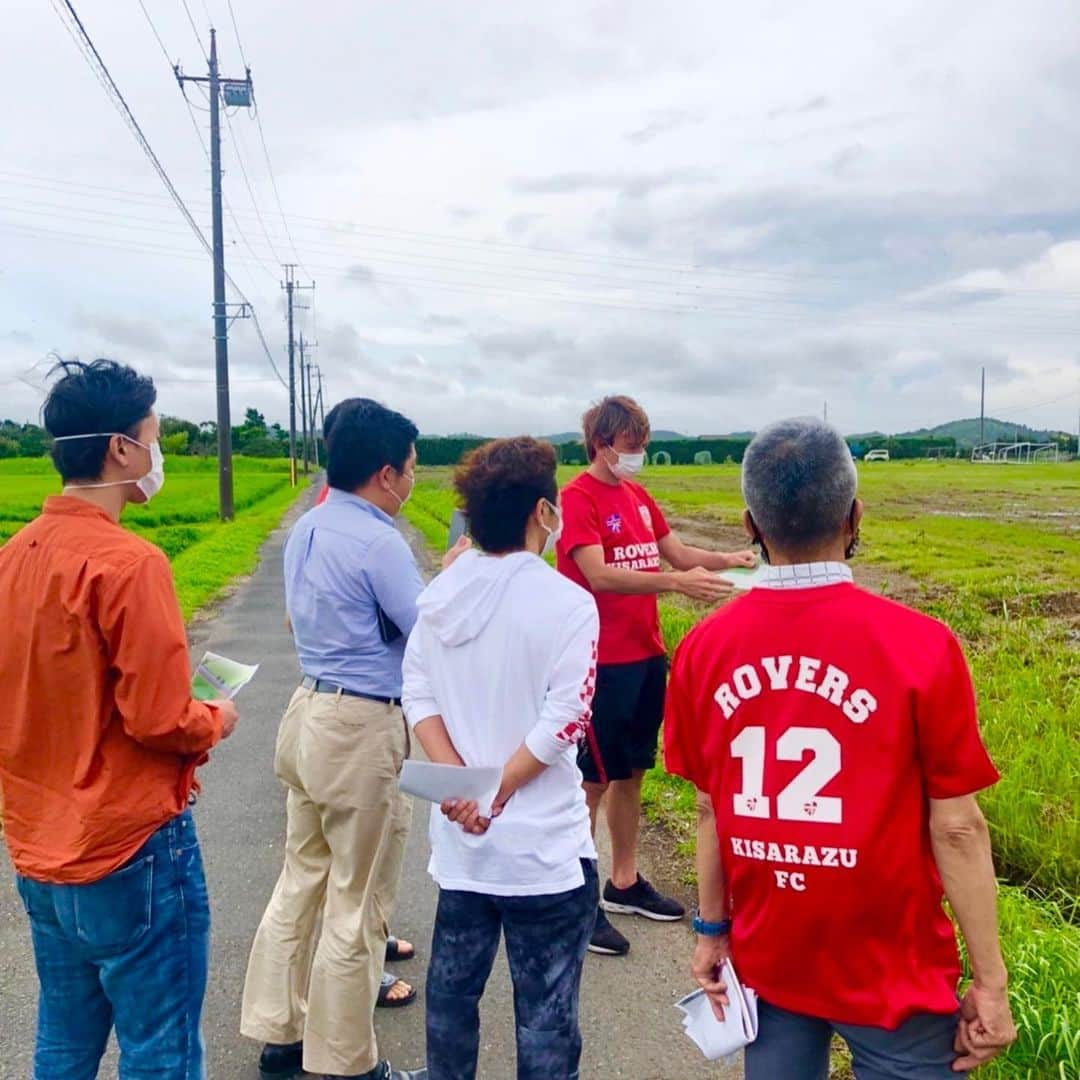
[{"x": 629, "y": 1026}]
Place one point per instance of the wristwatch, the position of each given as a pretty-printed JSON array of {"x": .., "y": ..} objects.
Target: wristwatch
[{"x": 711, "y": 929}]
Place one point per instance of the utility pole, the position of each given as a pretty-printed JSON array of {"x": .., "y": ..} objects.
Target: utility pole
[
  {"x": 322, "y": 416},
  {"x": 982, "y": 411},
  {"x": 311, "y": 419},
  {"x": 291, "y": 286},
  {"x": 239, "y": 91},
  {"x": 304, "y": 409}
]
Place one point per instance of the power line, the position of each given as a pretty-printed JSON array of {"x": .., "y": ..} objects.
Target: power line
[
  {"x": 202, "y": 140},
  {"x": 250, "y": 190},
  {"x": 100, "y": 69},
  {"x": 195, "y": 29},
  {"x": 236, "y": 32},
  {"x": 741, "y": 313},
  {"x": 266, "y": 150},
  {"x": 645, "y": 289},
  {"x": 102, "y": 73},
  {"x": 550, "y": 254},
  {"x": 1040, "y": 404},
  {"x": 161, "y": 44}
]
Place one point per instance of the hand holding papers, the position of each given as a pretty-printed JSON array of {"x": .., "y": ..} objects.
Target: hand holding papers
[
  {"x": 219, "y": 677},
  {"x": 437, "y": 783},
  {"x": 721, "y": 1038}
]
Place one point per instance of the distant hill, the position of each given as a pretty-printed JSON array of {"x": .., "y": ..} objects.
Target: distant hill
[
  {"x": 966, "y": 432},
  {"x": 575, "y": 436}
]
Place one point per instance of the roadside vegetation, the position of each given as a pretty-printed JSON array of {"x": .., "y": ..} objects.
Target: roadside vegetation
[
  {"x": 994, "y": 551},
  {"x": 206, "y": 554}
]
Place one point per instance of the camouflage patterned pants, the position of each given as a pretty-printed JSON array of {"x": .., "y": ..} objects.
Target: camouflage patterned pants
[{"x": 546, "y": 939}]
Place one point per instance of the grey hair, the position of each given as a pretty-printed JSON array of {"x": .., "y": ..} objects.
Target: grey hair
[{"x": 799, "y": 481}]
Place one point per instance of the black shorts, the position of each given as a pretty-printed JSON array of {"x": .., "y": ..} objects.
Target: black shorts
[{"x": 628, "y": 709}]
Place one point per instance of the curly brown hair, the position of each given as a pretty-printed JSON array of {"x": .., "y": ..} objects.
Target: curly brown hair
[
  {"x": 500, "y": 483},
  {"x": 611, "y": 417}
]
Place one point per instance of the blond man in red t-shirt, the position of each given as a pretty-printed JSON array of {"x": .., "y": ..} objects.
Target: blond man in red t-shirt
[
  {"x": 613, "y": 543},
  {"x": 832, "y": 736}
]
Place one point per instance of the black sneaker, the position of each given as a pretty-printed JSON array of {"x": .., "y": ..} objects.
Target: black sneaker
[
  {"x": 383, "y": 1071},
  {"x": 641, "y": 899},
  {"x": 606, "y": 940},
  {"x": 281, "y": 1061}
]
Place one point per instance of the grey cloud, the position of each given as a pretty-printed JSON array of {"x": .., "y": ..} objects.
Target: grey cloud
[
  {"x": 812, "y": 105},
  {"x": 358, "y": 274},
  {"x": 520, "y": 344},
  {"x": 948, "y": 296},
  {"x": 19, "y": 337},
  {"x": 993, "y": 248},
  {"x": 118, "y": 330},
  {"x": 629, "y": 183},
  {"x": 341, "y": 341},
  {"x": 632, "y": 222},
  {"x": 442, "y": 322},
  {"x": 662, "y": 123},
  {"x": 845, "y": 160},
  {"x": 520, "y": 224}
]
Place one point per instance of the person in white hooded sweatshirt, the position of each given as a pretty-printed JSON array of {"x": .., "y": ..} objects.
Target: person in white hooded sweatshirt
[{"x": 499, "y": 671}]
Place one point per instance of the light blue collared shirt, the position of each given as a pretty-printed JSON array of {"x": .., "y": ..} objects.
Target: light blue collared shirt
[{"x": 341, "y": 559}]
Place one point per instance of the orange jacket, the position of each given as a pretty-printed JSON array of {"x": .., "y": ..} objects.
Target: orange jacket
[{"x": 99, "y": 735}]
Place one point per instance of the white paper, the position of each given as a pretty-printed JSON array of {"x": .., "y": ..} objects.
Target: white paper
[
  {"x": 743, "y": 577},
  {"x": 219, "y": 677},
  {"x": 438, "y": 782},
  {"x": 721, "y": 1038}
]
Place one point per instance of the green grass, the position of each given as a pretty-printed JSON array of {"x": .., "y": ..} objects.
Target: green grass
[
  {"x": 206, "y": 554},
  {"x": 994, "y": 552}
]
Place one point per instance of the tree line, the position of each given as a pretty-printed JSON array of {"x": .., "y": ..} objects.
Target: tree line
[{"x": 254, "y": 438}]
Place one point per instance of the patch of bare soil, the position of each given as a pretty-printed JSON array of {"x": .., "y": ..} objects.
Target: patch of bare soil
[
  {"x": 670, "y": 868},
  {"x": 713, "y": 534},
  {"x": 1062, "y": 605}
]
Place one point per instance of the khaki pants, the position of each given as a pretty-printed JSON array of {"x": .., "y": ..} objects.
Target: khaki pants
[{"x": 339, "y": 757}]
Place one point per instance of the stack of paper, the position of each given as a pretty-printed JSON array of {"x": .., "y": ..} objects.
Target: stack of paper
[
  {"x": 721, "y": 1038},
  {"x": 219, "y": 677},
  {"x": 439, "y": 782}
]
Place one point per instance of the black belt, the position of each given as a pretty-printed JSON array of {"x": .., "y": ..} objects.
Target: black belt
[{"x": 321, "y": 686}]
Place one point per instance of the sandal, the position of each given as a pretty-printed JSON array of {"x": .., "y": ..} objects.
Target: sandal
[
  {"x": 388, "y": 982},
  {"x": 396, "y": 953}
]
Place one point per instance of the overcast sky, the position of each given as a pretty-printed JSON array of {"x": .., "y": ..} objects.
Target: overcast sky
[{"x": 732, "y": 212}]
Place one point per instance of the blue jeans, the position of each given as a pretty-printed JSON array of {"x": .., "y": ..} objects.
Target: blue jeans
[
  {"x": 546, "y": 940},
  {"x": 796, "y": 1047},
  {"x": 130, "y": 951}
]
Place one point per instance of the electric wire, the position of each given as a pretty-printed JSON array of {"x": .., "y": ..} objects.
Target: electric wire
[{"x": 104, "y": 76}]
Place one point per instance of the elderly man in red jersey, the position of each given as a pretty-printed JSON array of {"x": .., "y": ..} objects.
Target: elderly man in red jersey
[{"x": 833, "y": 738}]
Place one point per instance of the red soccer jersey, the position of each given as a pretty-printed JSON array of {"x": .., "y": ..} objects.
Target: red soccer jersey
[
  {"x": 820, "y": 721},
  {"x": 623, "y": 519}
]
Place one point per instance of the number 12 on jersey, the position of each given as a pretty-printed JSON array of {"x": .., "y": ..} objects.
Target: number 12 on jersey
[{"x": 801, "y": 799}]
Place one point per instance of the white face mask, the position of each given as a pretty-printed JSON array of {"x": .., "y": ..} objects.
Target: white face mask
[
  {"x": 553, "y": 534},
  {"x": 627, "y": 465},
  {"x": 150, "y": 484},
  {"x": 401, "y": 501}
]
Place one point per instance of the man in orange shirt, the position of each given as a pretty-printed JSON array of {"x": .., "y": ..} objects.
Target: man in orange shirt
[{"x": 99, "y": 742}]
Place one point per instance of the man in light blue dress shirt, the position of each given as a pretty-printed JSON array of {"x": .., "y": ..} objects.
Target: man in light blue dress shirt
[{"x": 351, "y": 584}]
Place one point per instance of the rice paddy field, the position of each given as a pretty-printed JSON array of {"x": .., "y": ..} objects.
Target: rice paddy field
[
  {"x": 206, "y": 554},
  {"x": 994, "y": 551}
]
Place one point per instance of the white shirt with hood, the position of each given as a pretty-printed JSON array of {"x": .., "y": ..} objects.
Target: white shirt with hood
[{"x": 504, "y": 650}]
